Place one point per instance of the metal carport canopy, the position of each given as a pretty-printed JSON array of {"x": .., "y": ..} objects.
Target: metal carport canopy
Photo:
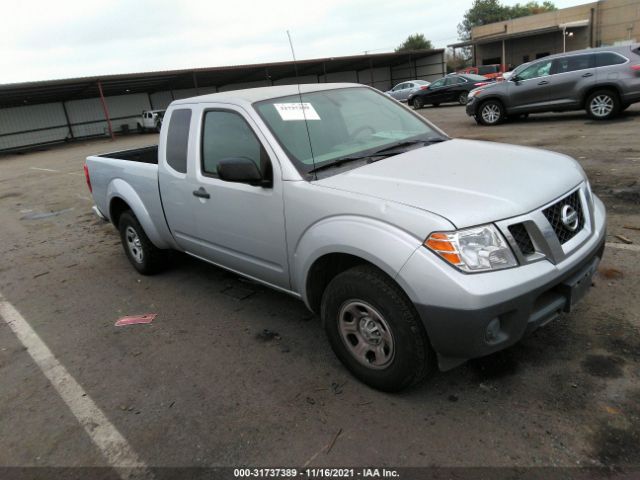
[{"x": 19, "y": 94}]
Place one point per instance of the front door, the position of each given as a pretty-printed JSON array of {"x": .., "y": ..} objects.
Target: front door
[
  {"x": 531, "y": 88},
  {"x": 240, "y": 227}
]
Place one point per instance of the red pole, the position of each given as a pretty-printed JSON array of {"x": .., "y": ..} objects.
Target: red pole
[{"x": 106, "y": 111}]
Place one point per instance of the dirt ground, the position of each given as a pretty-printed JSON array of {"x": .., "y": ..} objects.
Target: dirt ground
[{"x": 202, "y": 385}]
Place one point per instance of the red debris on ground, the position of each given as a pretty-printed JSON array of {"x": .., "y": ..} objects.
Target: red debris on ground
[{"x": 133, "y": 320}]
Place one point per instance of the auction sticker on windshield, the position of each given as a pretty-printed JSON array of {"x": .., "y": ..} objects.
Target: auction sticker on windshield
[{"x": 296, "y": 111}]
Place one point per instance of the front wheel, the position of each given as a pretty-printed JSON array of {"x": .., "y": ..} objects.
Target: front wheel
[
  {"x": 145, "y": 257},
  {"x": 491, "y": 112},
  {"x": 417, "y": 103},
  {"x": 602, "y": 105},
  {"x": 375, "y": 330}
]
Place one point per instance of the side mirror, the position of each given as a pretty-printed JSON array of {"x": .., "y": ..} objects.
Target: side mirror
[
  {"x": 241, "y": 170},
  {"x": 514, "y": 78}
]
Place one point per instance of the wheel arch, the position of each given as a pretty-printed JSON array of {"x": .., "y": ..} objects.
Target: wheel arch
[
  {"x": 337, "y": 244},
  {"x": 605, "y": 86},
  {"x": 122, "y": 197}
]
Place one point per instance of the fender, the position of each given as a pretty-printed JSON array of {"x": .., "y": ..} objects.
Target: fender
[
  {"x": 351, "y": 235},
  {"x": 120, "y": 188}
]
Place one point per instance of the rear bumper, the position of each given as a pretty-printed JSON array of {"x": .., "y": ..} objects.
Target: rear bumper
[{"x": 100, "y": 215}]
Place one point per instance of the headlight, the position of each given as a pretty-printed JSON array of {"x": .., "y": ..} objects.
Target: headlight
[
  {"x": 477, "y": 249},
  {"x": 474, "y": 92}
]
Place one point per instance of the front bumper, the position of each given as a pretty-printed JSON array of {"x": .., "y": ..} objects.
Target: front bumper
[
  {"x": 472, "y": 106},
  {"x": 472, "y": 315}
]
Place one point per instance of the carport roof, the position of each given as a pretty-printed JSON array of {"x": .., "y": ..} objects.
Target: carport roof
[{"x": 17, "y": 94}]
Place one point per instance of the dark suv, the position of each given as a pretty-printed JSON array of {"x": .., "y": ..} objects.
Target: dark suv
[{"x": 604, "y": 81}]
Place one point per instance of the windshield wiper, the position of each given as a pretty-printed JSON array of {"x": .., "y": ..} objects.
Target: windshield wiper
[
  {"x": 378, "y": 154},
  {"x": 340, "y": 161},
  {"x": 409, "y": 143}
]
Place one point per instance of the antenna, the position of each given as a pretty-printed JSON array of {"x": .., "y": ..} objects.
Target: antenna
[{"x": 304, "y": 113}]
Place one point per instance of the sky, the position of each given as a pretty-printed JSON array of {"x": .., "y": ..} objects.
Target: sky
[{"x": 43, "y": 40}]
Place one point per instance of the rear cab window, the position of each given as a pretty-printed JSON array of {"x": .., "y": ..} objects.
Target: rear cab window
[{"x": 178, "y": 139}]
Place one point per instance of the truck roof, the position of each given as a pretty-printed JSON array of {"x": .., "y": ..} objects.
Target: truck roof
[{"x": 262, "y": 93}]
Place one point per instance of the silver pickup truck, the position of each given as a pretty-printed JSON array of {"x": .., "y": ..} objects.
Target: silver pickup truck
[{"x": 417, "y": 250}]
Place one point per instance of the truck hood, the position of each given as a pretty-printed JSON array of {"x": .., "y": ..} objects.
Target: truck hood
[{"x": 466, "y": 181}]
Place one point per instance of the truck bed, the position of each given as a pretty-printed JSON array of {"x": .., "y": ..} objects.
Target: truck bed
[
  {"x": 143, "y": 155},
  {"x": 131, "y": 175}
]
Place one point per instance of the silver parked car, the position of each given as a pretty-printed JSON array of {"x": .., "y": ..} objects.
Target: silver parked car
[
  {"x": 416, "y": 250},
  {"x": 402, "y": 91},
  {"x": 603, "y": 81}
]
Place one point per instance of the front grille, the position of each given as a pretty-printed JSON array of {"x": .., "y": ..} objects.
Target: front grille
[
  {"x": 554, "y": 215},
  {"x": 522, "y": 238}
]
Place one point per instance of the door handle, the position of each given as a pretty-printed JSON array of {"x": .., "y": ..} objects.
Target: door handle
[
  {"x": 543, "y": 82},
  {"x": 588, "y": 75},
  {"x": 201, "y": 193}
]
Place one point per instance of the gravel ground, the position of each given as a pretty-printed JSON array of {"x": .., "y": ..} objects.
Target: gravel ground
[{"x": 203, "y": 386}]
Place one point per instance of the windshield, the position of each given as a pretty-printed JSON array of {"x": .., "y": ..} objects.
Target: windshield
[
  {"x": 485, "y": 69},
  {"x": 342, "y": 123}
]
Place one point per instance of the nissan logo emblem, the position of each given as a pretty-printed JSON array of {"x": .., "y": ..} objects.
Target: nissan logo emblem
[{"x": 569, "y": 217}]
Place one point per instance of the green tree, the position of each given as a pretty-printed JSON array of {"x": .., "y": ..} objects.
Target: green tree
[
  {"x": 415, "y": 42},
  {"x": 483, "y": 12}
]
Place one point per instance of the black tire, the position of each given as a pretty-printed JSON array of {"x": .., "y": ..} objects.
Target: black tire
[
  {"x": 491, "y": 113},
  {"x": 463, "y": 98},
  {"x": 602, "y": 105},
  {"x": 145, "y": 257},
  {"x": 367, "y": 289},
  {"x": 158, "y": 127},
  {"x": 436, "y": 104},
  {"x": 417, "y": 103}
]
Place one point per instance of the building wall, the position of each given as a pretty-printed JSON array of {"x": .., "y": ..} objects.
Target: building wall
[
  {"x": 524, "y": 49},
  {"x": 31, "y": 125},
  {"x": 534, "y": 22},
  {"x": 613, "y": 22},
  {"x": 618, "y": 21}
]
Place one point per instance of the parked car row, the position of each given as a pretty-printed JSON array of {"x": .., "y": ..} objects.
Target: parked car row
[
  {"x": 603, "y": 81},
  {"x": 452, "y": 88},
  {"x": 402, "y": 91}
]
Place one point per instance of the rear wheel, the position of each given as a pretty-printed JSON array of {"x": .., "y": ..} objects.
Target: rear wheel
[
  {"x": 145, "y": 257},
  {"x": 490, "y": 112},
  {"x": 463, "y": 97},
  {"x": 375, "y": 330},
  {"x": 417, "y": 103},
  {"x": 602, "y": 105}
]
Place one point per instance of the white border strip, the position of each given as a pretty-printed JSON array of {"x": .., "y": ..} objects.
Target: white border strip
[{"x": 113, "y": 446}]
